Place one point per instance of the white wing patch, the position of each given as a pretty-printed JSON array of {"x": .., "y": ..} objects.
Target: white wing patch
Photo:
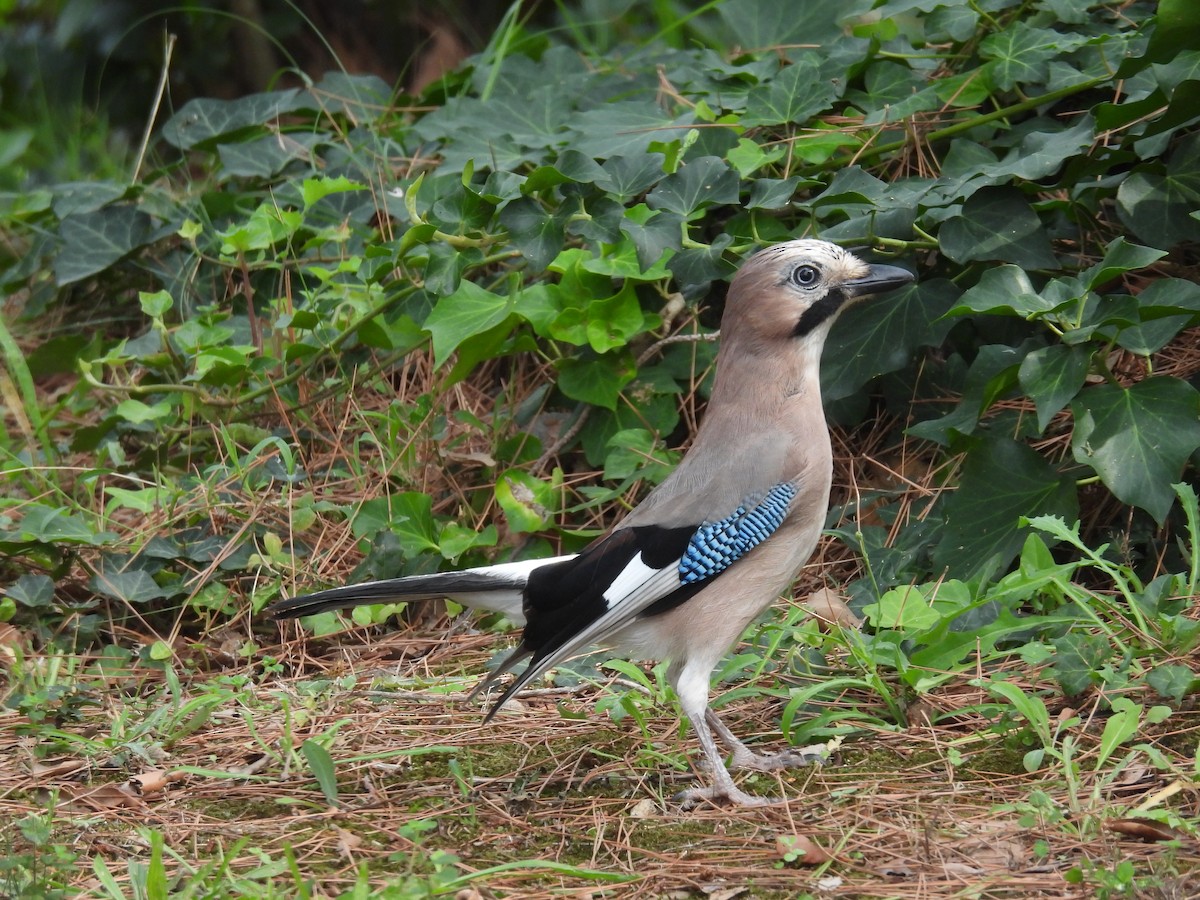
[{"x": 633, "y": 576}]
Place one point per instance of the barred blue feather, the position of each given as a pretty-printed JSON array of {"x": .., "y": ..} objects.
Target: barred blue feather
[{"x": 717, "y": 545}]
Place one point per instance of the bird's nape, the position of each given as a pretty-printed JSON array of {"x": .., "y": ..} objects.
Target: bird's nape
[{"x": 682, "y": 576}]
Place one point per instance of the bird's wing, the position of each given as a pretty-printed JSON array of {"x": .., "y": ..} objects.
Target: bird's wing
[{"x": 635, "y": 571}]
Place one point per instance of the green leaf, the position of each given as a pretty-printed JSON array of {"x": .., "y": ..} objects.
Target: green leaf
[
  {"x": 772, "y": 193},
  {"x": 796, "y": 94},
  {"x": 1172, "y": 681},
  {"x": 320, "y": 763},
  {"x": 1120, "y": 257},
  {"x": 635, "y": 451},
  {"x": 1158, "y": 208},
  {"x": 997, "y": 223},
  {"x": 880, "y": 335},
  {"x": 1002, "y": 481},
  {"x": 1052, "y": 376},
  {"x": 1077, "y": 661},
  {"x": 469, "y": 311},
  {"x": 761, "y": 24},
  {"x": 1021, "y": 53},
  {"x": 597, "y": 380},
  {"x": 134, "y": 586},
  {"x": 699, "y": 183},
  {"x": 1004, "y": 290},
  {"x": 625, "y": 177},
  {"x": 529, "y": 504},
  {"x": 32, "y": 591},
  {"x": 204, "y": 119},
  {"x": 537, "y": 234},
  {"x": 94, "y": 241},
  {"x": 1138, "y": 438},
  {"x": 408, "y": 516},
  {"x": 313, "y": 190},
  {"x": 57, "y": 525}
]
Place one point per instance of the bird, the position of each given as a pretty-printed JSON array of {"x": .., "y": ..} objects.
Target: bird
[{"x": 683, "y": 575}]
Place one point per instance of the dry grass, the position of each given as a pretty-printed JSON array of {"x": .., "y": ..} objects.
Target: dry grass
[{"x": 897, "y": 814}]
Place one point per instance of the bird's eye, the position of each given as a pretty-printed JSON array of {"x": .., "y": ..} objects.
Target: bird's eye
[{"x": 805, "y": 276}]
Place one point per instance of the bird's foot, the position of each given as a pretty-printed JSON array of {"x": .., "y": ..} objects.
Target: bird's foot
[
  {"x": 722, "y": 796},
  {"x": 792, "y": 757}
]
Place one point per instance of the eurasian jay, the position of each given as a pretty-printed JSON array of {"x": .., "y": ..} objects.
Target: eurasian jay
[{"x": 685, "y": 573}]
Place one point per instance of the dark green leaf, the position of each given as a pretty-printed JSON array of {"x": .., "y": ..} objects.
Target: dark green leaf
[
  {"x": 1158, "y": 208},
  {"x": 31, "y": 591},
  {"x": 57, "y": 525},
  {"x": 653, "y": 234},
  {"x": 134, "y": 586},
  {"x": 537, "y": 234},
  {"x": 997, "y": 223},
  {"x": 1020, "y": 54},
  {"x": 796, "y": 94},
  {"x": 992, "y": 374},
  {"x": 1004, "y": 290},
  {"x": 881, "y": 334},
  {"x": 94, "y": 241},
  {"x": 762, "y": 24},
  {"x": 772, "y": 193},
  {"x": 1052, "y": 376},
  {"x": 203, "y": 119},
  {"x": 597, "y": 380},
  {"x": 628, "y": 176},
  {"x": 699, "y": 183},
  {"x": 1138, "y": 438},
  {"x": 1002, "y": 480},
  {"x": 1172, "y": 681},
  {"x": 1077, "y": 661}
]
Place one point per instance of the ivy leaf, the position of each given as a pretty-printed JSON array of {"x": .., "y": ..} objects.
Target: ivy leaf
[
  {"x": 204, "y": 119},
  {"x": 624, "y": 127},
  {"x": 537, "y": 234},
  {"x": 1052, "y": 376},
  {"x": 796, "y": 94},
  {"x": 880, "y": 335},
  {"x": 759, "y": 24},
  {"x": 1138, "y": 438},
  {"x": 469, "y": 311},
  {"x": 625, "y": 177},
  {"x": 1021, "y": 53},
  {"x": 1077, "y": 661},
  {"x": 772, "y": 193},
  {"x": 597, "y": 380},
  {"x": 1002, "y": 481},
  {"x": 1157, "y": 208},
  {"x": 133, "y": 586},
  {"x": 654, "y": 235},
  {"x": 997, "y": 223},
  {"x": 94, "y": 241},
  {"x": 699, "y": 183},
  {"x": 1004, "y": 290}
]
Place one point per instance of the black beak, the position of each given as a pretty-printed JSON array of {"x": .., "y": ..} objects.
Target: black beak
[{"x": 879, "y": 280}]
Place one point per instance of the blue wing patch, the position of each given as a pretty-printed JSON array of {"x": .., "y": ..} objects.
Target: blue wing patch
[{"x": 717, "y": 545}]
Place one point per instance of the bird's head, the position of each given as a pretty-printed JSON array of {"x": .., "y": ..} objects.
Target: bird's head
[{"x": 793, "y": 291}]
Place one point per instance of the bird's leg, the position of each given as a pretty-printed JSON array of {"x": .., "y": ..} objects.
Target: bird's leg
[
  {"x": 745, "y": 758},
  {"x": 722, "y": 790}
]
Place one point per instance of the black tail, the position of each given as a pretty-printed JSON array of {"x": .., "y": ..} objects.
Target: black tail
[{"x": 500, "y": 593}]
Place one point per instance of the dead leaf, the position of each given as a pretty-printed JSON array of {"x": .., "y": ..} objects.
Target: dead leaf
[
  {"x": 643, "y": 809},
  {"x": 153, "y": 781},
  {"x": 801, "y": 850},
  {"x": 1145, "y": 830},
  {"x": 830, "y": 608},
  {"x": 103, "y": 797},
  {"x": 57, "y": 768}
]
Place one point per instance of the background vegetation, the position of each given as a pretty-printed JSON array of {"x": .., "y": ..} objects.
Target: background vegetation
[{"x": 347, "y": 326}]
